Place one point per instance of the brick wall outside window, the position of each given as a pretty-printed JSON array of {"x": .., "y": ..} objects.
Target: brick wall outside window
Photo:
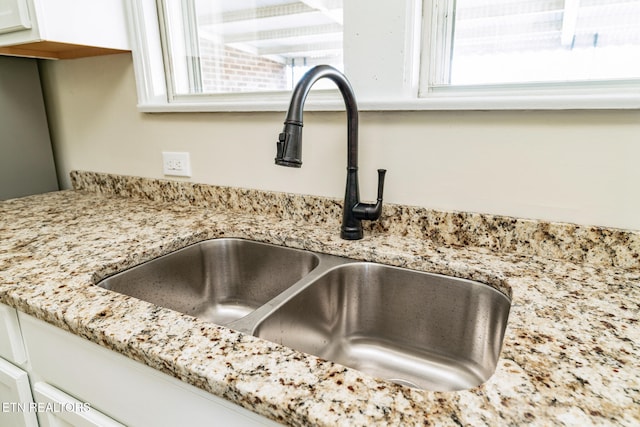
[{"x": 230, "y": 70}]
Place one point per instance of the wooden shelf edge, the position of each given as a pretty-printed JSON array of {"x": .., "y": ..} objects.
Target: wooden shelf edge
[{"x": 55, "y": 50}]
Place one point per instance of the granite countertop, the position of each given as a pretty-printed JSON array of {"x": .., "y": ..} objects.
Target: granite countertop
[{"x": 571, "y": 350}]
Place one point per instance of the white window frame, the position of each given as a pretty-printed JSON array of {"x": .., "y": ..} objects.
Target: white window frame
[{"x": 382, "y": 52}]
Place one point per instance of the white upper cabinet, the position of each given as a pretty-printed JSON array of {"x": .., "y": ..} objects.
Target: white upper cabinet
[{"x": 61, "y": 29}]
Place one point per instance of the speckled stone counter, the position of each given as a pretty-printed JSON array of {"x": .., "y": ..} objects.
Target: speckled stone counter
[{"x": 571, "y": 350}]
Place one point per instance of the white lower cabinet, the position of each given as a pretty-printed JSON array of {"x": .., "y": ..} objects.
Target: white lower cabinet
[
  {"x": 52, "y": 378},
  {"x": 15, "y": 397},
  {"x": 123, "y": 390}
]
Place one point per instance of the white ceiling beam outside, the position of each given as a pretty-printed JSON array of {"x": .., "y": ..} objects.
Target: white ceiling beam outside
[
  {"x": 255, "y": 14},
  {"x": 285, "y": 34},
  {"x": 310, "y": 49},
  {"x": 330, "y": 8}
]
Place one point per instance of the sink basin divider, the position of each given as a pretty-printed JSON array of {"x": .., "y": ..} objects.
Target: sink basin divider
[{"x": 326, "y": 263}]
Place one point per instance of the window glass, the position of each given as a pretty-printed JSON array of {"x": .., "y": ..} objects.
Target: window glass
[
  {"x": 218, "y": 47},
  {"x": 521, "y": 41}
]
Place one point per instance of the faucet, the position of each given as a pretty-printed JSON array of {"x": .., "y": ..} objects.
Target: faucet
[{"x": 289, "y": 149}]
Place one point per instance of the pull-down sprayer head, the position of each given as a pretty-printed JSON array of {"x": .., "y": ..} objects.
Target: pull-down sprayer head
[{"x": 289, "y": 150}]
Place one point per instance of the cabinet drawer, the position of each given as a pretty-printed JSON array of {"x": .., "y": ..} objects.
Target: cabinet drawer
[{"x": 64, "y": 410}]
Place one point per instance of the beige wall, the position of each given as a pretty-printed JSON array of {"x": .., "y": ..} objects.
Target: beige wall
[{"x": 573, "y": 166}]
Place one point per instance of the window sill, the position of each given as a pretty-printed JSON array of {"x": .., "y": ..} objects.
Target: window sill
[{"x": 461, "y": 102}]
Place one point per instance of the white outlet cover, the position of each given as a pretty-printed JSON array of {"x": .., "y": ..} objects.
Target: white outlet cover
[{"x": 176, "y": 164}]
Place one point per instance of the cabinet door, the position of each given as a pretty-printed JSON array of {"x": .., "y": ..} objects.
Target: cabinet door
[
  {"x": 62, "y": 410},
  {"x": 15, "y": 396},
  {"x": 11, "y": 345},
  {"x": 14, "y": 16}
]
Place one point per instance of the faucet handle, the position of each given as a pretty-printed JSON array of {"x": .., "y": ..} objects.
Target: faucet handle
[
  {"x": 381, "y": 175},
  {"x": 370, "y": 211}
]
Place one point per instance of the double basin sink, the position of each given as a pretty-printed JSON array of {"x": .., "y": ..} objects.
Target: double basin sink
[{"x": 413, "y": 328}]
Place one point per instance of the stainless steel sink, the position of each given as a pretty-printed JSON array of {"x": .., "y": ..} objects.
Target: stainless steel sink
[
  {"x": 220, "y": 280},
  {"x": 417, "y": 329}
]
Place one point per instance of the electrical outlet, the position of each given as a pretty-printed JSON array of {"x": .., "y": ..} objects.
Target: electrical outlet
[{"x": 176, "y": 164}]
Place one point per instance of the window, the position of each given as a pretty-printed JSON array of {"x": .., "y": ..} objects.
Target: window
[
  {"x": 238, "y": 55},
  {"x": 215, "y": 47},
  {"x": 534, "y": 41}
]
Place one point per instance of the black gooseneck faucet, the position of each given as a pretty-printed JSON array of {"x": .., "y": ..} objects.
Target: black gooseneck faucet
[{"x": 289, "y": 150}]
